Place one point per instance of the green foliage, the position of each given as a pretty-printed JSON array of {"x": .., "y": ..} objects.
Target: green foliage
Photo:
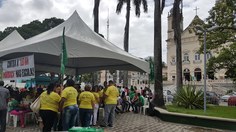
[
  {"x": 136, "y": 3},
  {"x": 215, "y": 111},
  {"x": 229, "y": 91},
  {"x": 87, "y": 77},
  {"x": 33, "y": 28},
  {"x": 188, "y": 97},
  {"x": 222, "y": 40}
]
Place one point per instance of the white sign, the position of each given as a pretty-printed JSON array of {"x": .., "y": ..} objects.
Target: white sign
[{"x": 19, "y": 68}]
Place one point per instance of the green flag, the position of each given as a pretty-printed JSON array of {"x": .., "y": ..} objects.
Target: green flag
[
  {"x": 151, "y": 66},
  {"x": 64, "y": 58}
]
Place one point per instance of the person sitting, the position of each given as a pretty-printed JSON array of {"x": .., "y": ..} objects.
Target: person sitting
[
  {"x": 15, "y": 108},
  {"x": 139, "y": 103},
  {"x": 134, "y": 101},
  {"x": 125, "y": 103}
]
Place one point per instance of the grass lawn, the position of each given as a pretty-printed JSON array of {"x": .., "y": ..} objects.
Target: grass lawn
[{"x": 216, "y": 111}]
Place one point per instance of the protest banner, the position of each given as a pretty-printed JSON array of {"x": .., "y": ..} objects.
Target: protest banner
[{"x": 18, "y": 68}]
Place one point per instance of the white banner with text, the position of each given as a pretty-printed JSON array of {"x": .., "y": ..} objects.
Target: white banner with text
[{"x": 18, "y": 68}]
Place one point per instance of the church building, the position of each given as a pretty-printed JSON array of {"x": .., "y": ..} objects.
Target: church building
[{"x": 192, "y": 60}]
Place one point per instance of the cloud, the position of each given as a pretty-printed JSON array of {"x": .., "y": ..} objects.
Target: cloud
[
  {"x": 10, "y": 16},
  {"x": 40, "y": 5},
  {"x": 141, "y": 29}
]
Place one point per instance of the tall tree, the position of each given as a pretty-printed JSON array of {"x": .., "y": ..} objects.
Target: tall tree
[
  {"x": 177, "y": 18},
  {"x": 96, "y": 29},
  {"x": 96, "y": 15},
  {"x": 158, "y": 87},
  {"x": 137, "y": 4},
  {"x": 222, "y": 40},
  {"x": 33, "y": 28}
]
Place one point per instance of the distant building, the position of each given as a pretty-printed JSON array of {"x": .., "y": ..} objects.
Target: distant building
[{"x": 192, "y": 61}]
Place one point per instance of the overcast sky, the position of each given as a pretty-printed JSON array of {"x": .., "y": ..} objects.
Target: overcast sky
[{"x": 19, "y": 12}]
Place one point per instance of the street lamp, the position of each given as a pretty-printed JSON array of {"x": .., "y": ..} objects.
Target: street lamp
[{"x": 201, "y": 29}]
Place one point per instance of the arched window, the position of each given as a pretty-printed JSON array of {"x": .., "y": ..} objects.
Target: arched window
[
  {"x": 208, "y": 55},
  {"x": 197, "y": 56},
  {"x": 186, "y": 57}
]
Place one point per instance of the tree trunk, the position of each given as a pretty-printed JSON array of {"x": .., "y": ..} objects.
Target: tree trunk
[
  {"x": 126, "y": 34},
  {"x": 126, "y": 40},
  {"x": 96, "y": 15},
  {"x": 158, "y": 87},
  {"x": 177, "y": 17}
]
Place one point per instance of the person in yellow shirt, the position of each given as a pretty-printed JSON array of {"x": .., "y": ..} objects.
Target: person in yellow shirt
[
  {"x": 111, "y": 97},
  {"x": 96, "y": 105},
  {"x": 49, "y": 105},
  {"x": 68, "y": 105},
  {"x": 86, "y": 105}
]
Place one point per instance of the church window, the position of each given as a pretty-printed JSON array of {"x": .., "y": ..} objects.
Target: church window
[
  {"x": 197, "y": 56},
  {"x": 186, "y": 57}
]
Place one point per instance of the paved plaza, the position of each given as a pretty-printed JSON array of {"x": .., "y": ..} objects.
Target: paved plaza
[{"x": 130, "y": 122}]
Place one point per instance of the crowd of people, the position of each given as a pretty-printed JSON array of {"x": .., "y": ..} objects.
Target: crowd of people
[{"x": 62, "y": 107}]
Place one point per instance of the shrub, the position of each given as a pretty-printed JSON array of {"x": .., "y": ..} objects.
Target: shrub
[{"x": 189, "y": 97}]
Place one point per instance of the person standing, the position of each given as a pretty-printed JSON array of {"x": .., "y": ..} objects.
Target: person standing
[
  {"x": 96, "y": 106},
  {"x": 111, "y": 98},
  {"x": 86, "y": 105},
  {"x": 49, "y": 105},
  {"x": 4, "y": 96},
  {"x": 68, "y": 105},
  {"x": 78, "y": 88}
]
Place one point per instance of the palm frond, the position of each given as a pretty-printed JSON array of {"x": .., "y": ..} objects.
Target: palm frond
[
  {"x": 145, "y": 5},
  {"x": 119, "y": 6},
  {"x": 137, "y": 4}
]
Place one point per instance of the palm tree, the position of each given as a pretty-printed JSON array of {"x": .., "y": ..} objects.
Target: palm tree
[
  {"x": 137, "y": 4},
  {"x": 177, "y": 18},
  {"x": 96, "y": 15},
  {"x": 96, "y": 29},
  {"x": 158, "y": 87}
]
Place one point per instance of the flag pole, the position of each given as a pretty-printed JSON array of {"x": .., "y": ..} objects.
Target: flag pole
[{"x": 64, "y": 58}]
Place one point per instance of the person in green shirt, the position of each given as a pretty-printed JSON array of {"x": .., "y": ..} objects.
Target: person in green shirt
[
  {"x": 139, "y": 103},
  {"x": 131, "y": 97}
]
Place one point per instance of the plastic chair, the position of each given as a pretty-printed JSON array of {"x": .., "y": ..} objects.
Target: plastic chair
[
  {"x": 15, "y": 119},
  {"x": 145, "y": 106}
]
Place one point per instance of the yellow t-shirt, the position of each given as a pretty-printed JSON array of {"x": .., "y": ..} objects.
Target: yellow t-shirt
[
  {"x": 70, "y": 94},
  {"x": 112, "y": 93},
  {"x": 100, "y": 93},
  {"x": 86, "y": 98},
  {"x": 49, "y": 102},
  {"x": 96, "y": 95}
]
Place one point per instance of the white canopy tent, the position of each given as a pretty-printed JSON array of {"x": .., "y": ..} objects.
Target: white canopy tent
[
  {"x": 87, "y": 51},
  {"x": 11, "y": 39}
]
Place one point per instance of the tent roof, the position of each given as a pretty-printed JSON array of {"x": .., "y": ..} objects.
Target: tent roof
[
  {"x": 11, "y": 39},
  {"x": 87, "y": 51}
]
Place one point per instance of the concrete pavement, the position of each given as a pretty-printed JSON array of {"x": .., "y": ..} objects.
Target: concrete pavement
[{"x": 130, "y": 122}]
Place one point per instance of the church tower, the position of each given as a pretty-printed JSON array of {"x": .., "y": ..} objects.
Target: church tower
[
  {"x": 171, "y": 48},
  {"x": 170, "y": 30}
]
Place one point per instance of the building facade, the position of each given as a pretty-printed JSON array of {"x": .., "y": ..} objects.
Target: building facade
[{"x": 192, "y": 60}]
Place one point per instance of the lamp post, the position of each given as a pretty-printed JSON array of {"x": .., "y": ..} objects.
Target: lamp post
[{"x": 201, "y": 29}]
